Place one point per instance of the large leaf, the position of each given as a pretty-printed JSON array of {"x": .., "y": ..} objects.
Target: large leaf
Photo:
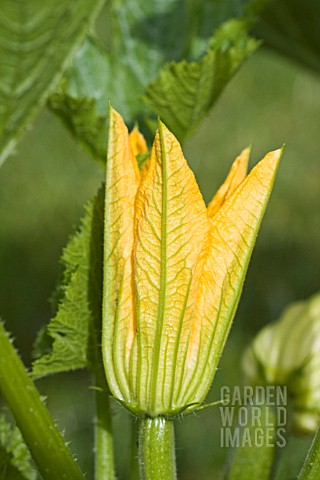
[
  {"x": 184, "y": 92},
  {"x": 36, "y": 41},
  {"x": 15, "y": 459},
  {"x": 82, "y": 98},
  {"x": 142, "y": 38},
  {"x": 76, "y": 328}
]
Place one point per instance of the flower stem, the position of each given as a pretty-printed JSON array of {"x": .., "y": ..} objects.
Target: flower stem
[
  {"x": 156, "y": 450},
  {"x": 104, "y": 458},
  {"x": 47, "y": 447},
  {"x": 134, "y": 466}
]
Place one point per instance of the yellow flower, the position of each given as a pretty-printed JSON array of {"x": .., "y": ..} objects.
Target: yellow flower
[{"x": 173, "y": 270}]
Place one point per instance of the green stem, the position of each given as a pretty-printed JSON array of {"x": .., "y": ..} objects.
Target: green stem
[
  {"x": 104, "y": 458},
  {"x": 134, "y": 466},
  {"x": 254, "y": 454},
  {"x": 46, "y": 445},
  {"x": 156, "y": 450},
  {"x": 311, "y": 467}
]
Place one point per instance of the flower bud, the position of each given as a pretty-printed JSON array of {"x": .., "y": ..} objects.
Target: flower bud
[
  {"x": 287, "y": 352},
  {"x": 173, "y": 270}
]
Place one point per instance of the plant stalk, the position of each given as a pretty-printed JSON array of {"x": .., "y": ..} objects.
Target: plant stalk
[
  {"x": 134, "y": 466},
  {"x": 47, "y": 447},
  {"x": 156, "y": 449},
  {"x": 104, "y": 457}
]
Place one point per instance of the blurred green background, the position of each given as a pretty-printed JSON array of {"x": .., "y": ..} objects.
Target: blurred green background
[{"x": 42, "y": 191}]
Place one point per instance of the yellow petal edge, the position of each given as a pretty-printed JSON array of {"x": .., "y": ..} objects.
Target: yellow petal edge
[
  {"x": 236, "y": 175},
  {"x": 173, "y": 270}
]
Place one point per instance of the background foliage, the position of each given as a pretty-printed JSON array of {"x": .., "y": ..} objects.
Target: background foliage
[{"x": 45, "y": 184}]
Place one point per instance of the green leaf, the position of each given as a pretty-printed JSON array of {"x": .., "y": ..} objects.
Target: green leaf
[
  {"x": 291, "y": 27},
  {"x": 15, "y": 459},
  {"x": 80, "y": 115},
  {"x": 75, "y": 330},
  {"x": 37, "y": 40},
  {"x": 142, "y": 38},
  {"x": 311, "y": 467},
  {"x": 82, "y": 98},
  {"x": 184, "y": 92},
  {"x": 74, "y": 333}
]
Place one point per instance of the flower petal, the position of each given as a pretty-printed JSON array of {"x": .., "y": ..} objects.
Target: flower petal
[
  {"x": 137, "y": 142},
  {"x": 171, "y": 225},
  {"x": 235, "y": 177},
  {"x": 233, "y": 234},
  {"x": 122, "y": 183}
]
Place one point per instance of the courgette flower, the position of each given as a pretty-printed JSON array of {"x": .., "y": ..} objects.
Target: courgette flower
[{"x": 173, "y": 269}]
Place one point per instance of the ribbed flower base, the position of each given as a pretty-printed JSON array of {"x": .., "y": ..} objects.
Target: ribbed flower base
[{"x": 156, "y": 450}]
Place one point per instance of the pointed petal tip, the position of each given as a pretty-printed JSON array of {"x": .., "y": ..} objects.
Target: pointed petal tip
[
  {"x": 279, "y": 151},
  {"x": 248, "y": 149},
  {"x": 161, "y": 126},
  {"x": 138, "y": 142},
  {"x": 246, "y": 152},
  {"x": 164, "y": 131},
  {"x": 115, "y": 117},
  {"x": 160, "y": 123},
  {"x": 273, "y": 157},
  {"x": 243, "y": 159},
  {"x": 111, "y": 110},
  {"x": 235, "y": 177},
  {"x": 114, "y": 114}
]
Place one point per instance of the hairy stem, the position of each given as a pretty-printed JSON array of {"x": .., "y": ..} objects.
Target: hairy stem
[
  {"x": 47, "y": 447},
  {"x": 156, "y": 451}
]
